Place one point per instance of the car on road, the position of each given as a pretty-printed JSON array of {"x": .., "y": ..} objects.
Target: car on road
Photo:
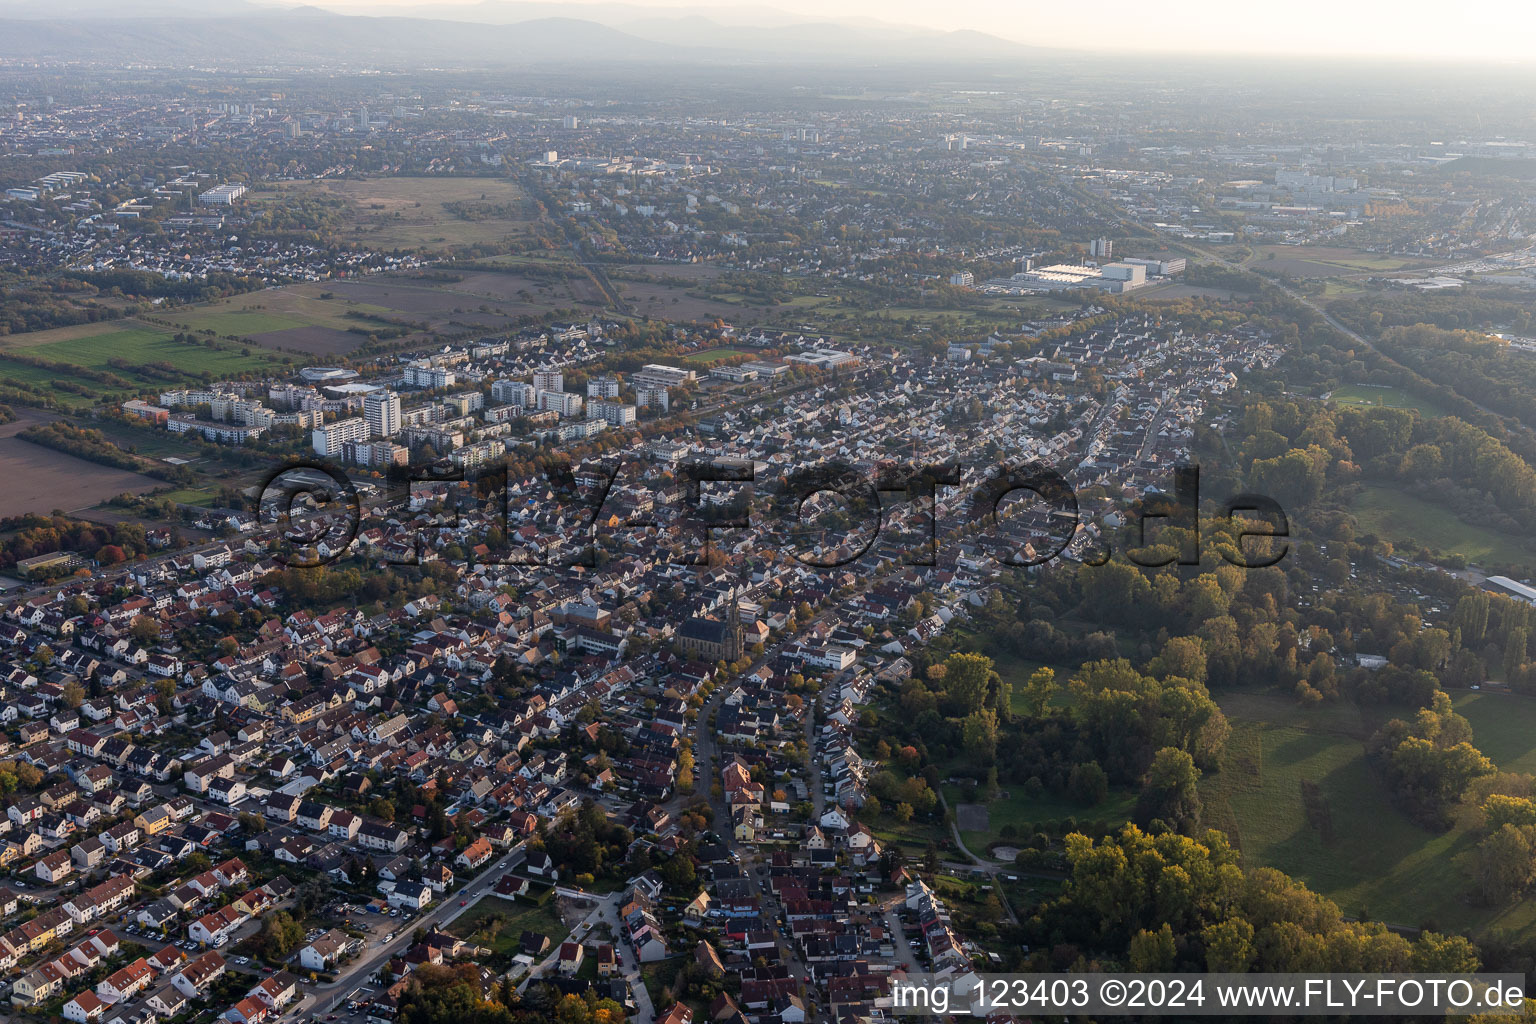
[{"x": 463, "y": 903}]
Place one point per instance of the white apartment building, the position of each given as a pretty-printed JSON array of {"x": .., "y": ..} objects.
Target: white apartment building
[
  {"x": 560, "y": 402},
  {"x": 548, "y": 380},
  {"x": 662, "y": 375},
  {"x": 222, "y": 195},
  {"x": 429, "y": 377},
  {"x": 619, "y": 414},
  {"x": 329, "y": 438},
  {"x": 603, "y": 387},
  {"x": 653, "y": 397},
  {"x": 381, "y": 410},
  {"x": 513, "y": 392},
  {"x": 213, "y": 430}
]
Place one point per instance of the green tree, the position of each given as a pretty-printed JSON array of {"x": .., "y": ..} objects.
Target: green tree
[
  {"x": 1039, "y": 688},
  {"x": 1228, "y": 946},
  {"x": 1171, "y": 791},
  {"x": 1503, "y": 863},
  {"x": 1087, "y": 784},
  {"x": 965, "y": 682},
  {"x": 979, "y": 733},
  {"x": 1154, "y": 951}
]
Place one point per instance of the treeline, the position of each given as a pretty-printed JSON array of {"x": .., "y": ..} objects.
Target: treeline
[
  {"x": 1430, "y": 761},
  {"x": 71, "y": 369},
  {"x": 478, "y": 210},
  {"x": 1480, "y": 366},
  {"x": 36, "y": 306},
  {"x": 1373, "y": 313},
  {"x": 20, "y": 392},
  {"x": 143, "y": 284},
  {"x": 161, "y": 369},
  {"x": 1156, "y": 729},
  {"x": 1149, "y": 720},
  {"x": 31, "y": 534},
  {"x": 1302, "y": 449}
]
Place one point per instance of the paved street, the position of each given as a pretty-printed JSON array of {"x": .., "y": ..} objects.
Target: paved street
[{"x": 326, "y": 998}]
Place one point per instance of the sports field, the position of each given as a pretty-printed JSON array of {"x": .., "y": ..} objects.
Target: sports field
[{"x": 714, "y": 355}]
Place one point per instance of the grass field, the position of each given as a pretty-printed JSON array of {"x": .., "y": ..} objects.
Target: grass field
[
  {"x": 1410, "y": 523},
  {"x": 1389, "y": 398},
  {"x": 237, "y": 321},
  {"x": 1373, "y": 860},
  {"x": 192, "y": 496},
  {"x": 1504, "y": 727},
  {"x": 1025, "y": 814},
  {"x": 831, "y": 315},
  {"x": 498, "y": 924},
  {"x": 913, "y": 837},
  {"x": 321, "y": 319},
  {"x": 1328, "y": 261},
  {"x": 136, "y": 343}
]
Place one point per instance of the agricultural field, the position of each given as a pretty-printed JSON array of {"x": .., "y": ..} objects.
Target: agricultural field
[
  {"x": 309, "y": 319},
  {"x": 1382, "y": 397},
  {"x": 1191, "y": 291},
  {"x": 1411, "y": 523},
  {"x": 433, "y": 214},
  {"x": 43, "y": 479},
  {"x": 677, "y": 292},
  {"x": 134, "y": 342},
  {"x": 152, "y": 359},
  {"x": 149, "y": 441},
  {"x": 334, "y": 317}
]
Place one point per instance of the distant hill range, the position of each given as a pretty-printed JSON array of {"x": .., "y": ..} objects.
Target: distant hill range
[{"x": 490, "y": 33}]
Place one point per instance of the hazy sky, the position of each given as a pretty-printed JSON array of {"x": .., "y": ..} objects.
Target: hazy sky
[{"x": 1499, "y": 29}]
